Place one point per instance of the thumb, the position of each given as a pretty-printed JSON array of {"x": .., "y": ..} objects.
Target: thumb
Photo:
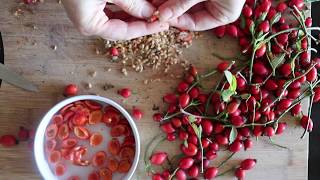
[
  {"x": 137, "y": 8},
  {"x": 175, "y": 8}
]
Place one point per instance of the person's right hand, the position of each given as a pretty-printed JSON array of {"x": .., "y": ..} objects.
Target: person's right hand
[
  {"x": 90, "y": 19},
  {"x": 201, "y": 15}
]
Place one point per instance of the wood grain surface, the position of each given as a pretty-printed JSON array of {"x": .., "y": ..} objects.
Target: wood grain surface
[{"x": 28, "y": 51}]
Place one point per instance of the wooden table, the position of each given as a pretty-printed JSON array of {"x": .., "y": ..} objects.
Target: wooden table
[{"x": 30, "y": 53}]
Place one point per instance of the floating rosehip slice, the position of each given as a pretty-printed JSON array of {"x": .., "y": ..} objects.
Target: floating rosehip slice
[
  {"x": 118, "y": 130},
  {"x": 60, "y": 169},
  {"x": 57, "y": 119},
  {"x": 94, "y": 176},
  {"x": 65, "y": 109},
  {"x": 54, "y": 157},
  {"x": 50, "y": 145},
  {"x": 124, "y": 166},
  {"x": 73, "y": 178},
  {"x": 111, "y": 118},
  {"x": 128, "y": 141},
  {"x": 112, "y": 164},
  {"x": 69, "y": 143},
  {"x": 80, "y": 118},
  {"x": 127, "y": 153},
  {"x": 96, "y": 139},
  {"x": 99, "y": 159},
  {"x": 67, "y": 154},
  {"x": 63, "y": 132},
  {"x": 68, "y": 115},
  {"x": 92, "y": 105},
  {"x": 105, "y": 174},
  {"x": 51, "y": 131},
  {"x": 95, "y": 117},
  {"x": 81, "y": 132},
  {"x": 114, "y": 146}
]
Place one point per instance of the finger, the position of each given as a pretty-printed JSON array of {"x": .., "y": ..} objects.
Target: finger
[
  {"x": 115, "y": 29},
  {"x": 137, "y": 8},
  {"x": 197, "y": 21},
  {"x": 175, "y": 8}
]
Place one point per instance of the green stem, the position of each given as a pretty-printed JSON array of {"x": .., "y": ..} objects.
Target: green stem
[
  {"x": 225, "y": 172},
  {"x": 226, "y": 160},
  {"x": 278, "y": 145},
  {"x": 173, "y": 174}
]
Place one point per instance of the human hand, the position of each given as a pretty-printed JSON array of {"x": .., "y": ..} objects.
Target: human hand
[
  {"x": 90, "y": 19},
  {"x": 201, "y": 15}
]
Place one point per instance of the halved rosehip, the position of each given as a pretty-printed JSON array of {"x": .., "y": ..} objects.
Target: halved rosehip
[
  {"x": 128, "y": 141},
  {"x": 51, "y": 131},
  {"x": 80, "y": 118},
  {"x": 96, "y": 139},
  {"x": 114, "y": 146},
  {"x": 54, "y": 156},
  {"x": 67, "y": 154},
  {"x": 95, "y": 117},
  {"x": 65, "y": 108},
  {"x": 112, "y": 164},
  {"x": 128, "y": 130},
  {"x": 50, "y": 145},
  {"x": 63, "y": 132},
  {"x": 124, "y": 166},
  {"x": 92, "y": 105},
  {"x": 111, "y": 118},
  {"x": 94, "y": 176},
  {"x": 60, "y": 169},
  {"x": 81, "y": 132},
  {"x": 127, "y": 153},
  {"x": 68, "y": 116},
  {"x": 69, "y": 143},
  {"x": 99, "y": 158},
  {"x": 117, "y": 130},
  {"x": 73, "y": 178},
  {"x": 57, "y": 119},
  {"x": 105, "y": 174}
]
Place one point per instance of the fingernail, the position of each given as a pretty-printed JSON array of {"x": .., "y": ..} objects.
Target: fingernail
[{"x": 165, "y": 14}]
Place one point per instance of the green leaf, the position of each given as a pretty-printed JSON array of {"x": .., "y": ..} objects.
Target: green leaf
[
  {"x": 228, "y": 75},
  {"x": 185, "y": 143},
  {"x": 233, "y": 86},
  {"x": 192, "y": 119},
  {"x": 233, "y": 135},
  {"x": 226, "y": 94},
  {"x": 195, "y": 129},
  {"x": 262, "y": 17},
  {"x": 242, "y": 22},
  {"x": 277, "y": 61},
  {"x": 275, "y": 19},
  {"x": 251, "y": 28},
  {"x": 200, "y": 131}
]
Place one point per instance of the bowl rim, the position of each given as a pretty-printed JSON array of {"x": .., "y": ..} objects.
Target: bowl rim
[{"x": 39, "y": 151}]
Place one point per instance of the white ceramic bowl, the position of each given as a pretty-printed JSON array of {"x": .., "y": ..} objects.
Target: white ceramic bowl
[{"x": 39, "y": 152}]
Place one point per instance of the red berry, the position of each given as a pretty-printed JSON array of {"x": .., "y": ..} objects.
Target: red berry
[
  {"x": 170, "y": 98},
  {"x": 282, "y": 38},
  {"x": 211, "y": 173},
  {"x": 207, "y": 126},
  {"x": 233, "y": 107},
  {"x": 261, "y": 51},
  {"x": 214, "y": 146},
  {"x": 294, "y": 93},
  {"x": 137, "y": 113},
  {"x": 235, "y": 146},
  {"x": 158, "y": 158},
  {"x": 71, "y": 90},
  {"x": 312, "y": 75},
  {"x": 182, "y": 87},
  {"x": 269, "y": 131},
  {"x": 281, "y": 7},
  {"x": 167, "y": 128},
  {"x": 186, "y": 163},
  {"x": 285, "y": 69},
  {"x": 264, "y": 26},
  {"x": 272, "y": 12},
  {"x": 125, "y": 92},
  {"x": 271, "y": 85},
  {"x": 194, "y": 92},
  {"x": 248, "y": 164},
  {"x": 157, "y": 117},
  {"x": 240, "y": 173},
  {"x": 221, "y": 140},
  {"x": 308, "y": 22},
  {"x": 260, "y": 69},
  {"x": 8, "y": 140},
  {"x": 191, "y": 150},
  {"x": 171, "y": 137},
  {"x": 306, "y": 123},
  {"x": 219, "y": 31},
  {"x": 23, "y": 134},
  {"x": 247, "y": 11},
  {"x": 298, "y": 3},
  {"x": 176, "y": 122},
  {"x": 237, "y": 120},
  {"x": 211, "y": 154},
  {"x": 222, "y": 66},
  {"x": 193, "y": 171},
  {"x": 193, "y": 139},
  {"x": 296, "y": 110},
  {"x": 281, "y": 127},
  {"x": 284, "y": 104},
  {"x": 265, "y": 6},
  {"x": 232, "y": 30},
  {"x": 316, "y": 97},
  {"x": 114, "y": 51},
  {"x": 184, "y": 100},
  {"x": 157, "y": 177},
  {"x": 166, "y": 174},
  {"x": 247, "y": 144},
  {"x": 193, "y": 70},
  {"x": 189, "y": 78},
  {"x": 317, "y": 61},
  {"x": 257, "y": 131},
  {"x": 183, "y": 135},
  {"x": 181, "y": 175},
  {"x": 205, "y": 142}
]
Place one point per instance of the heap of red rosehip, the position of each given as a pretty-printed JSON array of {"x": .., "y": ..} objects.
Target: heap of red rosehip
[{"x": 271, "y": 76}]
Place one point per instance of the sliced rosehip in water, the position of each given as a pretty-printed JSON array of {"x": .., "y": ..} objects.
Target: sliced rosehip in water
[
  {"x": 57, "y": 119},
  {"x": 111, "y": 118},
  {"x": 68, "y": 116},
  {"x": 128, "y": 141},
  {"x": 74, "y": 178},
  {"x": 99, "y": 158},
  {"x": 67, "y": 154},
  {"x": 63, "y": 132},
  {"x": 60, "y": 169},
  {"x": 128, "y": 130},
  {"x": 51, "y": 145},
  {"x": 81, "y": 132},
  {"x": 127, "y": 153},
  {"x": 117, "y": 130},
  {"x": 95, "y": 117},
  {"x": 92, "y": 105},
  {"x": 93, "y": 176},
  {"x": 112, "y": 164},
  {"x": 96, "y": 139},
  {"x": 80, "y": 118},
  {"x": 105, "y": 174},
  {"x": 54, "y": 157},
  {"x": 51, "y": 131},
  {"x": 124, "y": 166},
  {"x": 114, "y": 146},
  {"x": 69, "y": 143},
  {"x": 65, "y": 108}
]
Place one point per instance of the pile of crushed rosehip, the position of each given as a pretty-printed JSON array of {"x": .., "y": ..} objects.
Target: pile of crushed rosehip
[{"x": 268, "y": 80}]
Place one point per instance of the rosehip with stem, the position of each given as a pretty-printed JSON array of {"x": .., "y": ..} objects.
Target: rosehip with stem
[
  {"x": 306, "y": 123},
  {"x": 261, "y": 51},
  {"x": 222, "y": 66},
  {"x": 281, "y": 7},
  {"x": 181, "y": 175},
  {"x": 284, "y": 104},
  {"x": 167, "y": 128},
  {"x": 269, "y": 131},
  {"x": 248, "y": 164},
  {"x": 281, "y": 127},
  {"x": 260, "y": 69},
  {"x": 193, "y": 171},
  {"x": 296, "y": 110},
  {"x": 247, "y": 144},
  {"x": 210, "y": 154},
  {"x": 184, "y": 100},
  {"x": 170, "y": 98},
  {"x": 158, "y": 158},
  {"x": 264, "y": 26},
  {"x": 183, "y": 135},
  {"x": 191, "y": 150},
  {"x": 157, "y": 117},
  {"x": 235, "y": 146},
  {"x": 232, "y": 107},
  {"x": 186, "y": 163},
  {"x": 312, "y": 75},
  {"x": 70, "y": 90},
  {"x": 182, "y": 87},
  {"x": 211, "y": 173},
  {"x": 240, "y": 173}
]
